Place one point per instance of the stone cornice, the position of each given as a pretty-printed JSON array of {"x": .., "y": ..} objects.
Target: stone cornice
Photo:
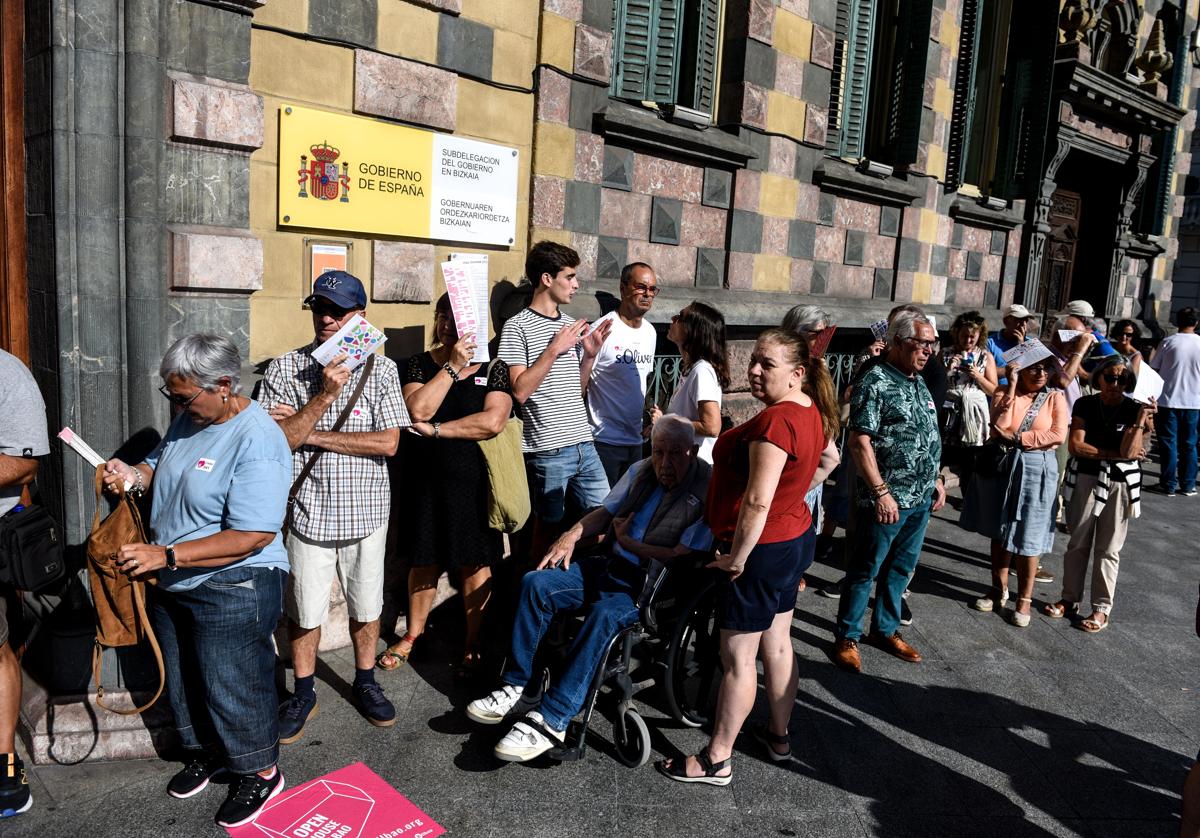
[
  {"x": 841, "y": 178},
  {"x": 1119, "y": 102}
]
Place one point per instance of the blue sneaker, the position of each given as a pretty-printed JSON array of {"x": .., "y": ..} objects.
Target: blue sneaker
[
  {"x": 293, "y": 715},
  {"x": 378, "y": 710},
  {"x": 14, "y": 787}
]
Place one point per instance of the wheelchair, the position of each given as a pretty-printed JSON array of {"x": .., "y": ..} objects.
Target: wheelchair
[{"x": 673, "y": 645}]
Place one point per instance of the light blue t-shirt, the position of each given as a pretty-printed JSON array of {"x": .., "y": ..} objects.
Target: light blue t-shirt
[
  {"x": 231, "y": 476},
  {"x": 696, "y": 537}
]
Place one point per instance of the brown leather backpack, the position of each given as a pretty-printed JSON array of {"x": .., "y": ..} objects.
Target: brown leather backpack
[{"x": 120, "y": 603}]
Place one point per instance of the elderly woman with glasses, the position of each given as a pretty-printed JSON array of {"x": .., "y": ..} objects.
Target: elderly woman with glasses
[
  {"x": 1013, "y": 502},
  {"x": 1108, "y": 433},
  {"x": 220, "y": 478}
]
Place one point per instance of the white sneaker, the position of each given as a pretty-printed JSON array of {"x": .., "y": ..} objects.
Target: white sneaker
[
  {"x": 526, "y": 740},
  {"x": 492, "y": 708}
]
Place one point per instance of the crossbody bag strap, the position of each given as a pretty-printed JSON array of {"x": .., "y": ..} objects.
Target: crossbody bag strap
[
  {"x": 337, "y": 426},
  {"x": 1034, "y": 409}
]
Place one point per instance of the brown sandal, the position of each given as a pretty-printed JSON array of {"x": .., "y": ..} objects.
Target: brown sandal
[
  {"x": 1060, "y": 609},
  {"x": 391, "y": 658}
]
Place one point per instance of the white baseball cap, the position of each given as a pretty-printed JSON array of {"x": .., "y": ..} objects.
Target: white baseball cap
[{"x": 1018, "y": 311}]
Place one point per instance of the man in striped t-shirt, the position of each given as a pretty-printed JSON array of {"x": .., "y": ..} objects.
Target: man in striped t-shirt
[{"x": 543, "y": 349}]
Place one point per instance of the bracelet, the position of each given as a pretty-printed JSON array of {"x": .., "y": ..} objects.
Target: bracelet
[
  {"x": 450, "y": 371},
  {"x": 881, "y": 495},
  {"x": 437, "y": 430},
  {"x": 139, "y": 485},
  {"x": 881, "y": 490}
]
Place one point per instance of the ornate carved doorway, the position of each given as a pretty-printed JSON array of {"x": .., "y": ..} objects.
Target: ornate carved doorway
[
  {"x": 1059, "y": 263},
  {"x": 14, "y": 302}
]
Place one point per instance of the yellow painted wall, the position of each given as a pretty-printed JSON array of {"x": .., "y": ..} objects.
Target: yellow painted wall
[{"x": 321, "y": 75}]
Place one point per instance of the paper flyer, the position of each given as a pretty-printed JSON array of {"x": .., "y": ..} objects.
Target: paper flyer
[
  {"x": 1149, "y": 385},
  {"x": 466, "y": 276},
  {"x": 879, "y": 330},
  {"x": 1026, "y": 353},
  {"x": 352, "y": 802},
  {"x": 358, "y": 339},
  {"x": 1068, "y": 335}
]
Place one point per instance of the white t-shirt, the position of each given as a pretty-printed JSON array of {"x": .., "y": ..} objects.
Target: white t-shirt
[
  {"x": 617, "y": 386},
  {"x": 1178, "y": 362},
  {"x": 699, "y": 385}
]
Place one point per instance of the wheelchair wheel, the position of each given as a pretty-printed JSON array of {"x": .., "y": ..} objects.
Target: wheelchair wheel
[
  {"x": 631, "y": 738},
  {"x": 693, "y": 672}
]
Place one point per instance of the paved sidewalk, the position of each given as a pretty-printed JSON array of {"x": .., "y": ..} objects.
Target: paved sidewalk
[{"x": 1045, "y": 731}]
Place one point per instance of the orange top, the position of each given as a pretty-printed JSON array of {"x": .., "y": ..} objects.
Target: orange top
[{"x": 1049, "y": 429}]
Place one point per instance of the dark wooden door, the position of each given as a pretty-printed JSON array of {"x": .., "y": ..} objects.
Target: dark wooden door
[
  {"x": 1059, "y": 262},
  {"x": 14, "y": 302}
]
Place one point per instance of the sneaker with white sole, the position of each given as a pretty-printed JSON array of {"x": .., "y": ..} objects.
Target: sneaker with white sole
[
  {"x": 14, "y": 787},
  {"x": 529, "y": 738},
  {"x": 493, "y": 707},
  {"x": 247, "y": 797},
  {"x": 194, "y": 776}
]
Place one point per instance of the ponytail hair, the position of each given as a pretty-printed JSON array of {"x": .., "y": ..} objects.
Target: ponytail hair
[{"x": 818, "y": 384}]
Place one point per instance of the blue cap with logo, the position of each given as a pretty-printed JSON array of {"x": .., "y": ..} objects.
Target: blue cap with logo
[{"x": 340, "y": 288}]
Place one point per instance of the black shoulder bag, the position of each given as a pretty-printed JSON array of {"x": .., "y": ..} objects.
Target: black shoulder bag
[{"x": 31, "y": 547}]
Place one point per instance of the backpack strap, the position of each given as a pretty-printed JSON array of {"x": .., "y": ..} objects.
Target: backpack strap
[{"x": 337, "y": 426}]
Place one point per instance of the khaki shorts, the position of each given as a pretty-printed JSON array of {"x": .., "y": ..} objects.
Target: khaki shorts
[{"x": 359, "y": 569}]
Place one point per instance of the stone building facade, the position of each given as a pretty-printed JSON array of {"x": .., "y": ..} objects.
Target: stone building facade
[{"x": 759, "y": 153}]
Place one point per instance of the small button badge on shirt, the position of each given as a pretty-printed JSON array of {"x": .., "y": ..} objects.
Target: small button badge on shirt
[{"x": 205, "y": 464}]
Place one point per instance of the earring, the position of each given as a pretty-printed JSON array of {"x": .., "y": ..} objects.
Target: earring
[{"x": 224, "y": 399}]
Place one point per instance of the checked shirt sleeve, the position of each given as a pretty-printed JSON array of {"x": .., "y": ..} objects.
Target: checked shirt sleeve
[{"x": 391, "y": 411}]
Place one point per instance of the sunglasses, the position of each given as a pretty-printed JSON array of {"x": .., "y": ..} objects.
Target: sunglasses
[
  {"x": 1113, "y": 378},
  {"x": 329, "y": 310},
  {"x": 1127, "y": 335},
  {"x": 1038, "y": 370},
  {"x": 179, "y": 401}
]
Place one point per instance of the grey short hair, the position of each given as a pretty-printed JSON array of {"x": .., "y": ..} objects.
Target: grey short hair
[
  {"x": 904, "y": 325},
  {"x": 675, "y": 428},
  {"x": 203, "y": 360},
  {"x": 801, "y": 319}
]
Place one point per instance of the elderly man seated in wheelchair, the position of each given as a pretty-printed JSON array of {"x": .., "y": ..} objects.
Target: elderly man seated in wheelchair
[{"x": 652, "y": 517}]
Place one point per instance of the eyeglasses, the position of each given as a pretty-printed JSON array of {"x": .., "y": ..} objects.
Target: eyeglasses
[
  {"x": 329, "y": 310},
  {"x": 927, "y": 345},
  {"x": 179, "y": 401},
  {"x": 645, "y": 290}
]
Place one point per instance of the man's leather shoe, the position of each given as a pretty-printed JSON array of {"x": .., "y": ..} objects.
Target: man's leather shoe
[
  {"x": 895, "y": 645},
  {"x": 844, "y": 654}
]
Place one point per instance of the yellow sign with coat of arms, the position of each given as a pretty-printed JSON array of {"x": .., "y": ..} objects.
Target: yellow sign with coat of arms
[{"x": 350, "y": 173}]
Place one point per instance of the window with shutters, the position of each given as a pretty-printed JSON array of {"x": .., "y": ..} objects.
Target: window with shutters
[
  {"x": 880, "y": 52},
  {"x": 665, "y": 52},
  {"x": 1002, "y": 91}
]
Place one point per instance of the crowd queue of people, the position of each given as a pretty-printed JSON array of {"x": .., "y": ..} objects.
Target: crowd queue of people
[{"x": 257, "y": 505}]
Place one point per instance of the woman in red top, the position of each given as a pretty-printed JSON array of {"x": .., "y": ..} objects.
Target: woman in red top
[{"x": 761, "y": 473}]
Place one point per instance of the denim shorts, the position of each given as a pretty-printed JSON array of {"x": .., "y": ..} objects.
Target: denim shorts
[
  {"x": 557, "y": 475},
  {"x": 767, "y": 586}
]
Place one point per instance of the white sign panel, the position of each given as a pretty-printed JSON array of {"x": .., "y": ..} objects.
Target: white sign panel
[{"x": 474, "y": 191}]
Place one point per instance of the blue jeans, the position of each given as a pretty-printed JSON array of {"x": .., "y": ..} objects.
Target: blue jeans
[
  {"x": 558, "y": 473},
  {"x": 888, "y": 552},
  {"x": 545, "y": 593},
  {"x": 617, "y": 459},
  {"x": 1177, "y": 439},
  {"x": 220, "y": 664}
]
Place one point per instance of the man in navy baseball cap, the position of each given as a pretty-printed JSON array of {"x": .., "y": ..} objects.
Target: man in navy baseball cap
[{"x": 340, "y": 288}]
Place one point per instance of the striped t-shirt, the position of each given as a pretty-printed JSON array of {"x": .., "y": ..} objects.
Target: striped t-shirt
[{"x": 554, "y": 414}]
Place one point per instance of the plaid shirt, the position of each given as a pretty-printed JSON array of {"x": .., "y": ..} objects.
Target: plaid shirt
[{"x": 345, "y": 497}]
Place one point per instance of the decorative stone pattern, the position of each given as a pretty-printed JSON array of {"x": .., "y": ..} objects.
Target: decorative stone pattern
[
  {"x": 403, "y": 272},
  {"x": 206, "y": 259},
  {"x": 217, "y": 113},
  {"x": 593, "y": 53},
  {"x": 405, "y": 90}
]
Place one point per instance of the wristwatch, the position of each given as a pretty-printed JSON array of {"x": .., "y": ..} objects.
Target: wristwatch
[{"x": 171, "y": 558}]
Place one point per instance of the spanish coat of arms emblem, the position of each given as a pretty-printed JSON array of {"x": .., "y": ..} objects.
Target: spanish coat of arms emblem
[{"x": 320, "y": 178}]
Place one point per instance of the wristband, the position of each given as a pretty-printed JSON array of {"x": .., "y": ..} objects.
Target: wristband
[{"x": 450, "y": 371}]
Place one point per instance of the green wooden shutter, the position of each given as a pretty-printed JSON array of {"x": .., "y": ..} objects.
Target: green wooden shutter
[
  {"x": 698, "y": 64},
  {"x": 907, "y": 97},
  {"x": 850, "y": 86},
  {"x": 964, "y": 93},
  {"x": 1025, "y": 106},
  {"x": 664, "y": 66},
  {"x": 633, "y": 22}
]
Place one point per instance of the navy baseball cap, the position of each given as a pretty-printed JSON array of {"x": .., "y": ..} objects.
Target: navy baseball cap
[{"x": 340, "y": 288}]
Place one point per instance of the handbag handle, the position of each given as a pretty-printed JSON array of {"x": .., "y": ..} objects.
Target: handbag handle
[
  {"x": 123, "y": 497},
  {"x": 139, "y": 600}
]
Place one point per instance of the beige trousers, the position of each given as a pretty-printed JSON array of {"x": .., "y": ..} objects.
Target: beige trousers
[{"x": 1101, "y": 535}]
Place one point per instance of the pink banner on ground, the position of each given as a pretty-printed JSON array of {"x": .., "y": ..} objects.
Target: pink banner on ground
[{"x": 353, "y": 802}]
